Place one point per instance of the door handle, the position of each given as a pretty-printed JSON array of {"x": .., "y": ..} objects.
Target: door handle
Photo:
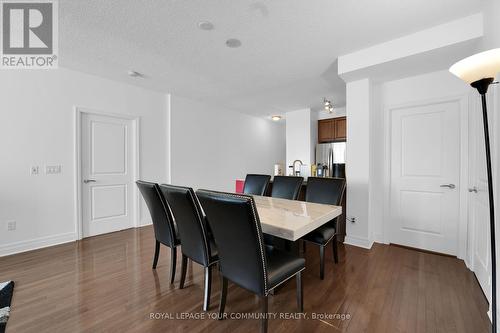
[
  {"x": 450, "y": 186},
  {"x": 474, "y": 189},
  {"x": 86, "y": 181}
]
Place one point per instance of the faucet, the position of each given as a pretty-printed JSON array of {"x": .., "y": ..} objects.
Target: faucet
[{"x": 297, "y": 173}]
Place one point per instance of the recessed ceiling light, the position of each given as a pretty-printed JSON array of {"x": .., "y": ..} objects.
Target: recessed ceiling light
[
  {"x": 205, "y": 25},
  {"x": 132, "y": 73},
  {"x": 233, "y": 42},
  {"x": 276, "y": 118}
]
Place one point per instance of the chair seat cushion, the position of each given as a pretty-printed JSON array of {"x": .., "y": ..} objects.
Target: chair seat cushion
[
  {"x": 322, "y": 235},
  {"x": 281, "y": 265}
]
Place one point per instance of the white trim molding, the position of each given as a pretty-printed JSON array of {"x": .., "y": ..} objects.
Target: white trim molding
[
  {"x": 36, "y": 243},
  {"x": 358, "y": 241}
]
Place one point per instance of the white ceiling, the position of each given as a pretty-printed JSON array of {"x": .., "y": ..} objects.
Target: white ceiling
[{"x": 289, "y": 48}]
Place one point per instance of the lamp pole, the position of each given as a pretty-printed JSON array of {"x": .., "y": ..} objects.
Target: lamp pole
[
  {"x": 479, "y": 71},
  {"x": 482, "y": 87}
]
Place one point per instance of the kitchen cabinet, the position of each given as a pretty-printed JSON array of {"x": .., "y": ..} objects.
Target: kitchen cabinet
[
  {"x": 340, "y": 128},
  {"x": 325, "y": 130},
  {"x": 333, "y": 129}
]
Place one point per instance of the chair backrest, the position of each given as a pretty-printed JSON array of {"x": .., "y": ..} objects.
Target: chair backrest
[
  {"x": 286, "y": 187},
  {"x": 237, "y": 231},
  {"x": 256, "y": 184},
  {"x": 160, "y": 214},
  {"x": 325, "y": 190},
  {"x": 190, "y": 222}
]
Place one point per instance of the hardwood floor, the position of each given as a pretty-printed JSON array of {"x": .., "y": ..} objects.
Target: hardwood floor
[{"x": 105, "y": 284}]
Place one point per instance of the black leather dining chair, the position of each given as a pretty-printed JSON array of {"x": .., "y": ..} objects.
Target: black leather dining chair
[
  {"x": 325, "y": 191},
  {"x": 244, "y": 259},
  {"x": 286, "y": 187},
  {"x": 163, "y": 224},
  {"x": 197, "y": 241},
  {"x": 256, "y": 184}
]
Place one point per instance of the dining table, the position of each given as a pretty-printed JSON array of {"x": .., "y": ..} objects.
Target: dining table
[{"x": 292, "y": 219}]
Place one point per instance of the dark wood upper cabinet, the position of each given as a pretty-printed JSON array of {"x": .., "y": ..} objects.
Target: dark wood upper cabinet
[
  {"x": 340, "y": 128},
  {"x": 325, "y": 130},
  {"x": 333, "y": 129}
]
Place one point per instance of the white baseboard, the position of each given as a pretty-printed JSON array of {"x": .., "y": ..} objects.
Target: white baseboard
[
  {"x": 37, "y": 243},
  {"x": 491, "y": 319},
  {"x": 378, "y": 238},
  {"x": 358, "y": 241},
  {"x": 145, "y": 222},
  {"x": 468, "y": 263}
]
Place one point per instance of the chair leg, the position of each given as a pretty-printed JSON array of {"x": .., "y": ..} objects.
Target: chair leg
[
  {"x": 223, "y": 296},
  {"x": 208, "y": 286},
  {"x": 173, "y": 262},
  {"x": 321, "y": 262},
  {"x": 335, "y": 250},
  {"x": 300, "y": 301},
  {"x": 157, "y": 254},
  {"x": 183, "y": 271},
  {"x": 265, "y": 303}
]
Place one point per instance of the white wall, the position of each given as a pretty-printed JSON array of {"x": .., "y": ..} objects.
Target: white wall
[
  {"x": 430, "y": 87},
  {"x": 355, "y": 65},
  {"x": 37, "y": 128},
  {"x": 211, "y": 146},
  {"x": 358, "y": 97},
  {"x": 301, "y": 134},
  {"x": 422, "y": 87},
  {"x": 377, "y": 167},
  {"x": 491, "y": 24},
  {"x": 313, "y": 140}
]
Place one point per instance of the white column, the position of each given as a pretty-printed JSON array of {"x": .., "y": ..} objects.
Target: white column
[
  {"x": 299, "y": 137},
  {"x": 358, "y": 103}
]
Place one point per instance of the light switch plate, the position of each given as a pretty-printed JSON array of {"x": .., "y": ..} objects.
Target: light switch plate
[
  {"x": 52, "y": 169},
  {"x": 11, "y": 225}
]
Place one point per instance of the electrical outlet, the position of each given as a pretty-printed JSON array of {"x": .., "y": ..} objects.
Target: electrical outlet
[
  {"x": 11, "y": 225},
  {"x": 52, "y": 169},
  {"x": 351, "y": 219},
  {"x": 34, "y": 170}
]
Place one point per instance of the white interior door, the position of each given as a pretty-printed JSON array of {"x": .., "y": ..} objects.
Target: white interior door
[
  {"x": 478, "y": 210},
  {"x": 425, "y": 170},
  {"x": 107, "y": 174}
]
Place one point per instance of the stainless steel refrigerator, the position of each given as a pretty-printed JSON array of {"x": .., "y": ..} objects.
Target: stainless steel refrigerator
[{"x": 331, "y": 156}]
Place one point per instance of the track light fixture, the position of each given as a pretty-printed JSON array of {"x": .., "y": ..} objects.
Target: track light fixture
[{"x": 328, "y": 105}]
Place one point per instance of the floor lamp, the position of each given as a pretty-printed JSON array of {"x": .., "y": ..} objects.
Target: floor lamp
[{"x": 479, "y": 71}]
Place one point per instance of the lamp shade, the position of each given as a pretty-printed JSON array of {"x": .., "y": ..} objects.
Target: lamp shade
[{"x": 479, "y": 66}]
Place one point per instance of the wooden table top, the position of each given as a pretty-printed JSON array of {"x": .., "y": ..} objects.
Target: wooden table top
[{"x": 292, "y": 219}]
